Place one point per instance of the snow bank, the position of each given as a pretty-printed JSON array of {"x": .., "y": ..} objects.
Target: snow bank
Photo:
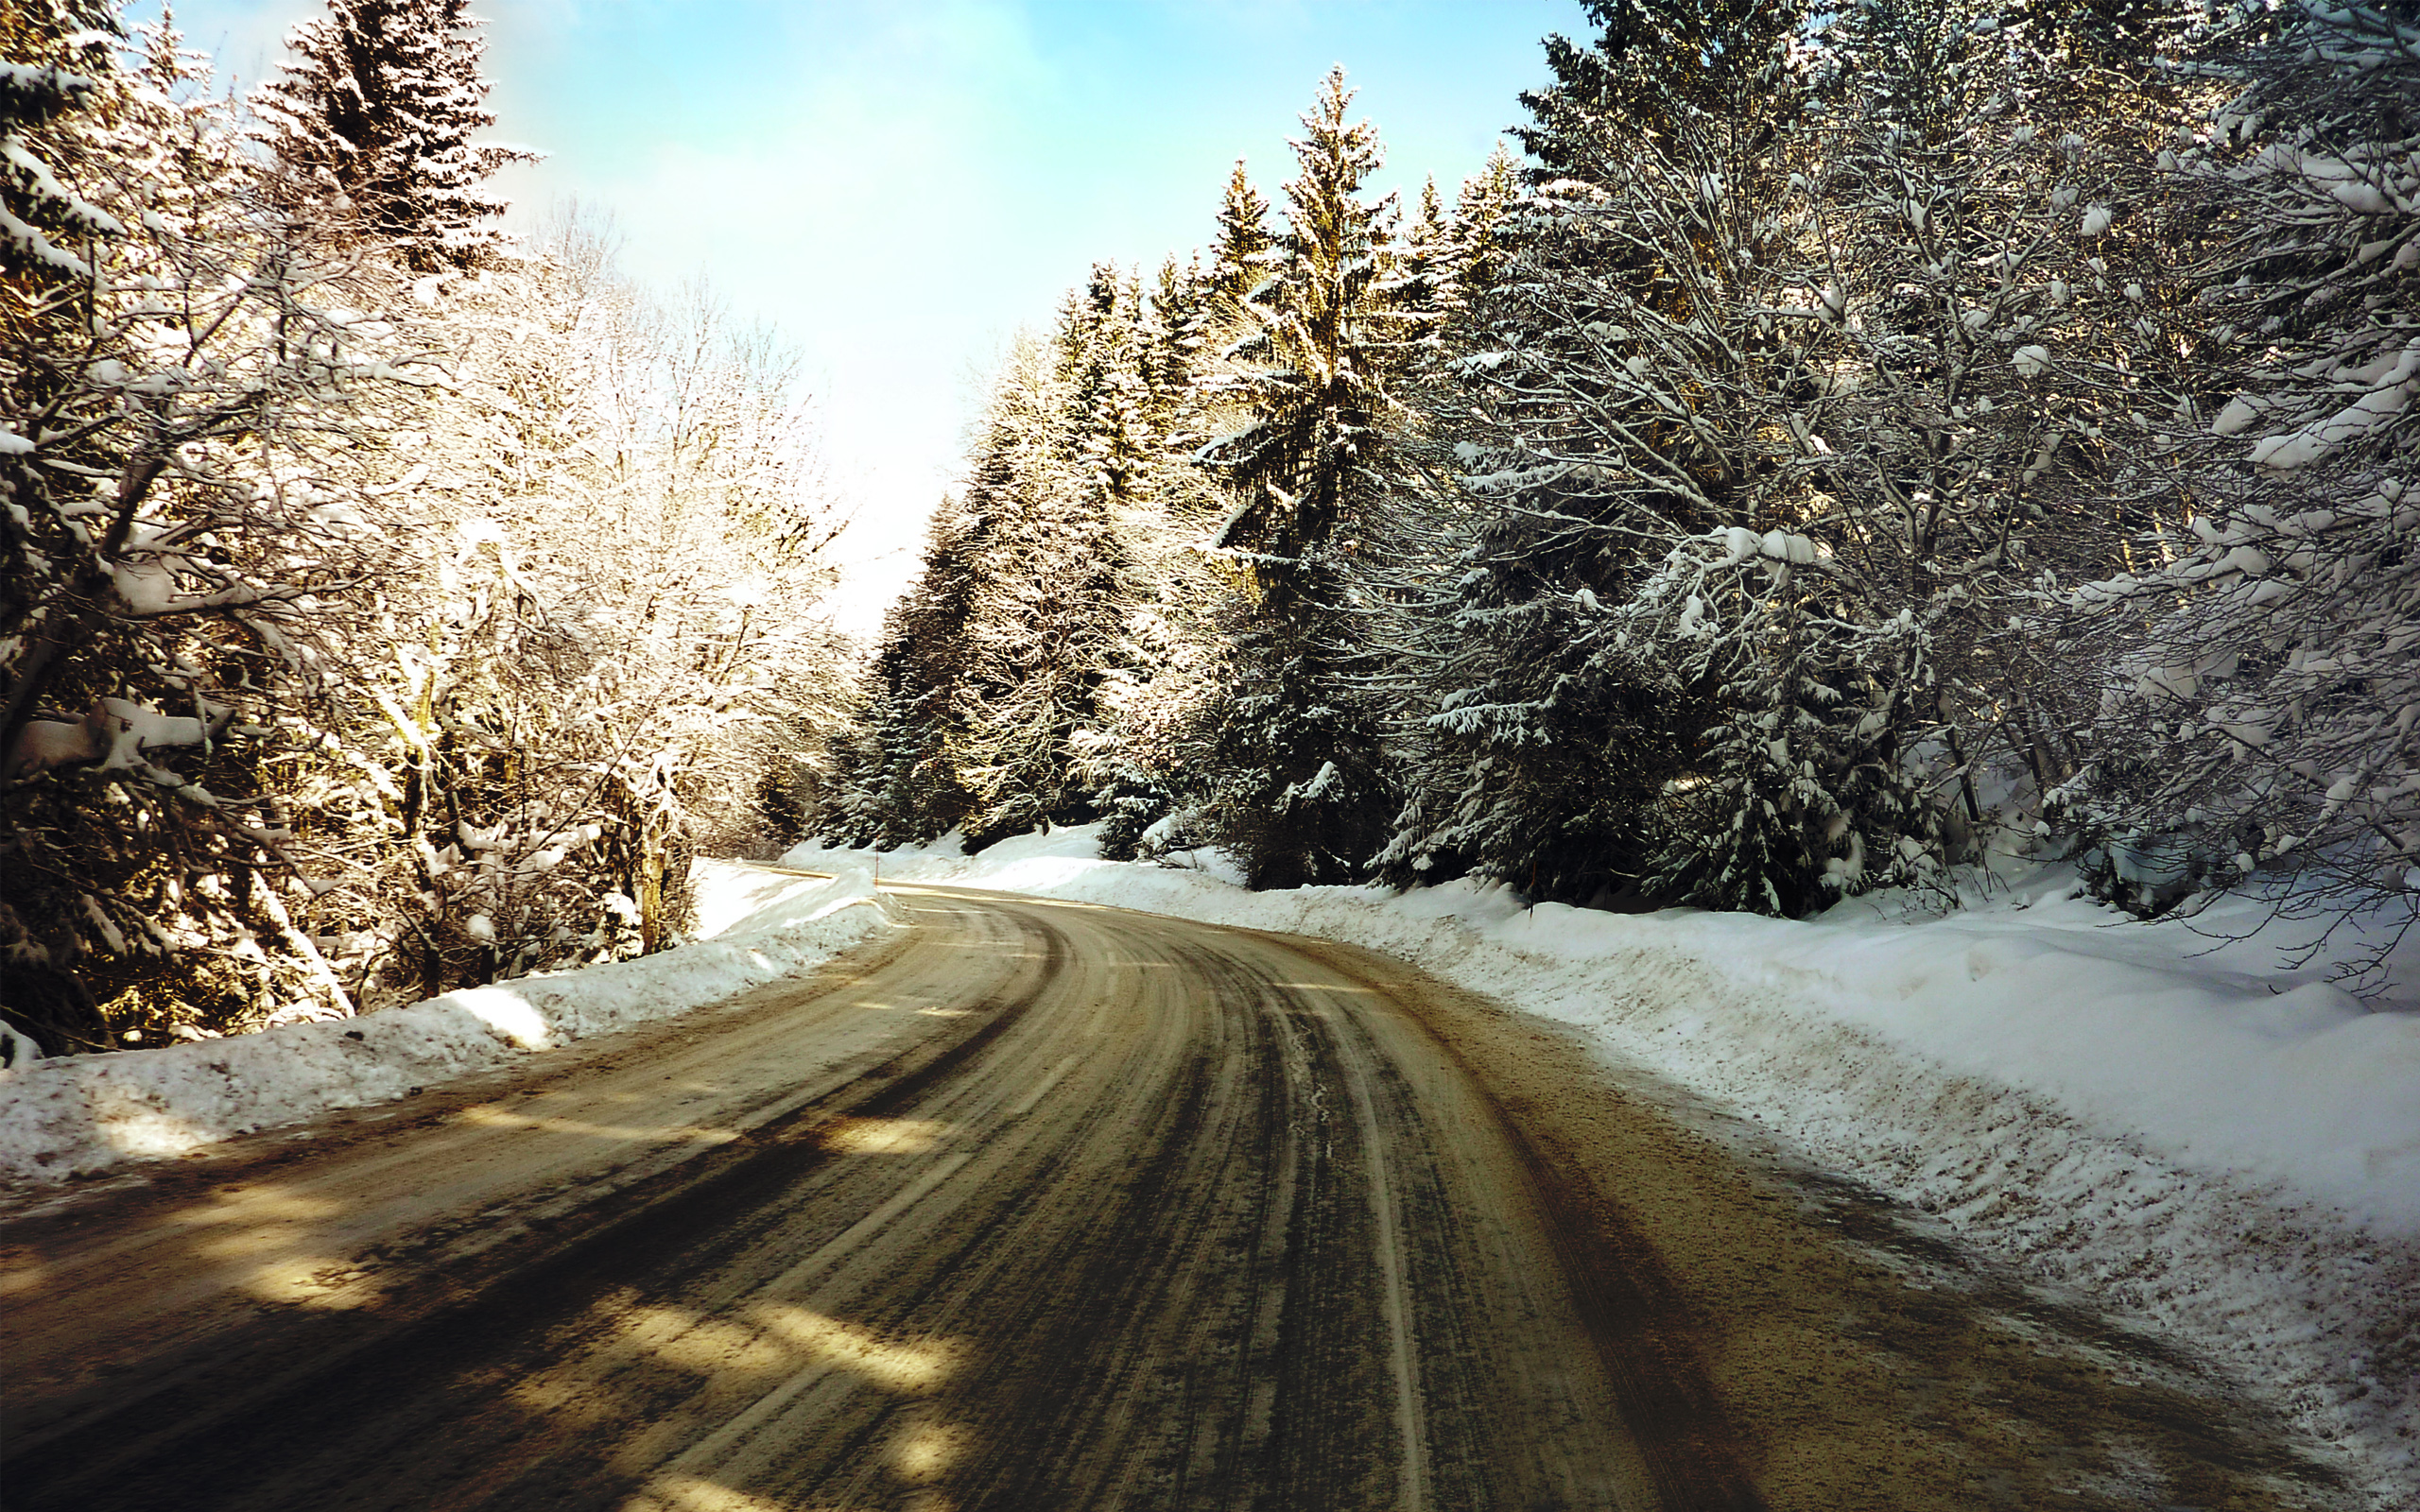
[
  {"x": 2193, "y": 1130},
  {"x": 70, "y": 1115}
]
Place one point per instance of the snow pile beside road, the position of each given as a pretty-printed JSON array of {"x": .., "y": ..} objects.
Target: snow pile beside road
[
  {"x": 70, "y": 1115},
  {"x": 2201, "y": 1133}
]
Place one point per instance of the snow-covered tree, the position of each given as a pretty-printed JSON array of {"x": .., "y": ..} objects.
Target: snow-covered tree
[
  {"x": 1045, "y": 665},
  {"x": 2011, "y": 272},
  {"x": 1066, "y": 420},
  {"x": 610, "y": 644},
  {"x": 1240, "y": 246},
  {"x": 376, "y": 110},
  {"x": 2264, "y": 720},
  {"x": 1475, "y": 231},
  {"x": 1816, "y": 351},
  {"x": 1143, "y": 760},
  {"x": 1298, "y": 791},
  {"x": 183, "y": 568},
  {"x": 52, "y": 50},
  {"x": 365, "y": 628},
  {"x": 905, "y": 779},
  {"x": 1634, "y": 401}
]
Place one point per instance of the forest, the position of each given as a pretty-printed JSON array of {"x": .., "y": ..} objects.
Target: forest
[
  {"x": 1822, "y": 449},
  {"x": 386, "y": 604},
  {"x": 1833, "y": 446}
]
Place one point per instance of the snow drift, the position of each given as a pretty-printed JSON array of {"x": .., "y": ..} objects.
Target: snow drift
[{"x": 71, "y": 1115}]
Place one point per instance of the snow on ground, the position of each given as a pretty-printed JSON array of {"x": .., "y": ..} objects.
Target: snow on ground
[
  {"x": 2190, "y": 1129},
  {"x": 73, "y": 1115}
]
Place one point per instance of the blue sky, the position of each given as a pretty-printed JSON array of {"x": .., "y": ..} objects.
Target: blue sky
[{"x": 900, "y": 186}]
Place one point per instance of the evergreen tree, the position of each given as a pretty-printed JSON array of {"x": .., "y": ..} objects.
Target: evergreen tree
[
  {"x": 1329, "y": 329},
  {"x": 1298, "y": 790},
  {"x": 378, "y": 106},
  {"x": 2007, "y": 275},
  {"x": 1478, "y": 222},
  {"x": 1626, "y": 407},
  {"x": 174, "y": 590},
  {"x": 56, "y": 52},
  {"x": 904, "y": 783},
  {"x": 1022, "y": 681},
  {"x": 1144, "y": 760},
  {"x": 1655, "y": 63},
  {"x": 1049, "y": 637},
  {"x": 1803, "y": 376},
  {"x": 1240, "y": 249}
]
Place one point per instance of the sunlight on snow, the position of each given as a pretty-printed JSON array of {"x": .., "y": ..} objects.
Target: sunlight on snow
[{"x": 507, "y": 1014}]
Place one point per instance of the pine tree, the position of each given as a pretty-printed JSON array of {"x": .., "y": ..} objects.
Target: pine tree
[
  {"x": 908, "y": 783},
  {"x": 1478, "y": 222},
  {"x": 1654, "y": 63},
  {"x": 56, "y": 52},
  {"x": 1019, "y": 681},
  {"x": 378, "y": 107},
  {"x": 1623, "y": 406},
  {"x": 174, "y": 587},
  {"x": 1329, "y": 329},
  {"x": 1049, "y": 640},
  {"x": 1298, "y": 790},
  {"x": 1240, "y": 249},
  {"x": 1145, "y": 760}
]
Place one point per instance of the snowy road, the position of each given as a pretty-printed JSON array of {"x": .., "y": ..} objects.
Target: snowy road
[{"x": 1043, "y": 1205}]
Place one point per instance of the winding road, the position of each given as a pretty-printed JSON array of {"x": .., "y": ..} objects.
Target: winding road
[{"x": 1039, "y": 1205}]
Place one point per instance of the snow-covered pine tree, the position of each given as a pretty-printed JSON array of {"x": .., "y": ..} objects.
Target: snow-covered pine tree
[
  {"x": 376, "y": 108},
  {"x": 179, "y": 577},
  {"x": 1458, "y": 781},
  {"x": 1239, "y": 249},
  {"x": 1812, "y": 358},
  {"x": 1654, "y": 61},
  {"x": 1299, "y": 792},
  {"x": 1802, "y": 791},
  {"x": 1174, "y": 332},
  {"x": 1308, "y": 379},
  {"x": 50, "y": 51},
  {"x": 1632, "y": 402},
  {"x": 1477, "y": 225},
  {"x": 1142, "y": 762},
  {"x": 1424, "y": 262},
  {"x": 907, "y": 782},
  {"x": 1048, "y": 637}
]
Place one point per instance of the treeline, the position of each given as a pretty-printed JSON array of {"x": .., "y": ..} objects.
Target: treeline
[
  {"x": 1840, "y": 441},
  {"x": 385, "y": 605}
]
